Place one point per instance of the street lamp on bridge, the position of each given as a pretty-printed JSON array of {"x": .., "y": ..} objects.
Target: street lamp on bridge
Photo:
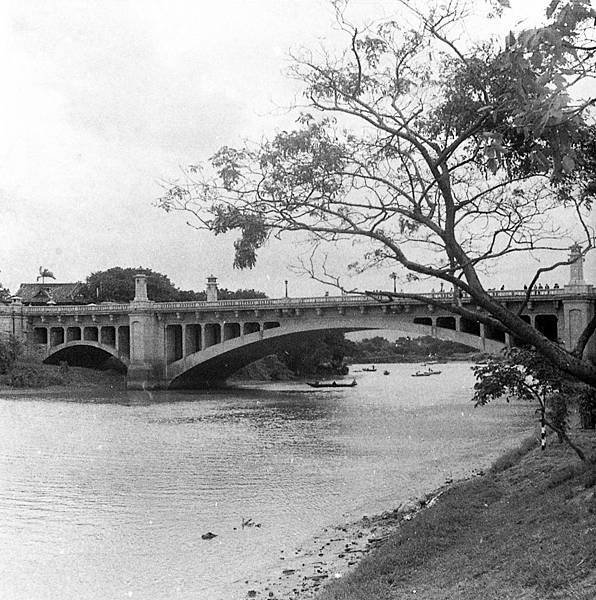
[
  {"x": 394, "y": 277},
  {"x": 286, "y": 284}
]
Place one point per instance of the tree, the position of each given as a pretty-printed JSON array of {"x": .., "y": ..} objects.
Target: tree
[
  {"x": 319, "y": 353},
  {"x": 10, "y": 350},
  {"x": 4, "y": 294},
  {"x": 442, "y": 156},
  {"x": 117, "y": 284},
  {"x": 191, "y": 296},
  {"x": 528, "y": 376},
  {"x": 225, "y": 294}
]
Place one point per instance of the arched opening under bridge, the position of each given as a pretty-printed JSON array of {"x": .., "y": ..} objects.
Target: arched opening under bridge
[
  {"x": 215, "y": 364},
  {"x": 88, "y": 355}
]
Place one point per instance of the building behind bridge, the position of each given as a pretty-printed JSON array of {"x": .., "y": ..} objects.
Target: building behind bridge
[{"x": 48, "y": 294}]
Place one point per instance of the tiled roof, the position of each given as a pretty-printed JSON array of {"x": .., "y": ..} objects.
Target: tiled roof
[{"x": 58, "y": 293}]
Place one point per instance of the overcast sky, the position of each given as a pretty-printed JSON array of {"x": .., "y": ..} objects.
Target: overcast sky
[{"x": 101, "y": 100}]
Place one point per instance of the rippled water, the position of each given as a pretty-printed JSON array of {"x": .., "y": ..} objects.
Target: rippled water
[{"x": 103, "y": 500}]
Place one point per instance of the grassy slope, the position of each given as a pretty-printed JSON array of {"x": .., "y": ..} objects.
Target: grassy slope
[
  {"x": 527, "y": 532},
  {"x": 35, "y": 375}
]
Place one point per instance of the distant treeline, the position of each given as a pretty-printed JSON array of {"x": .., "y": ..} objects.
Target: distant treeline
[{"x": 404, "y": 349}]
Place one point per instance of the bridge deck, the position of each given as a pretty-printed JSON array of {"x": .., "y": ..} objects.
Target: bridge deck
[{"x": 270, "y": 303}]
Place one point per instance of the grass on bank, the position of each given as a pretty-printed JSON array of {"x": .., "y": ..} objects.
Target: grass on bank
[
  {"x": 33, "y": 374},
  {"x": 526, "y": 530}
]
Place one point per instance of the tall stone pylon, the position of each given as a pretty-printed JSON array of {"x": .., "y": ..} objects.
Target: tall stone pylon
[
  {"x": 146, "y": 340},
  {"x": 578, "y": 308},
  {"x": 576, "y": 269},
  {"x": 211, "y": 288}
]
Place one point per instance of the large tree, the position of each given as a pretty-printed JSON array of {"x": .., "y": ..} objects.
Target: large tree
[
  {"x": 117, "y": 284},
  {"x": 442, "y": 155}
]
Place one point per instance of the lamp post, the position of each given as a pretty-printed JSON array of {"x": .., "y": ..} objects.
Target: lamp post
[
  {"x": 394, "y": 277},
  {"x": 286, "y": 284}
]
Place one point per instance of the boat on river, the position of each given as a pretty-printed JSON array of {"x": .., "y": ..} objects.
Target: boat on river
[
  {"x": 371, "y": 369},
  {"x": 332, "y": 384},
  {"x": 426, "y": 373}
]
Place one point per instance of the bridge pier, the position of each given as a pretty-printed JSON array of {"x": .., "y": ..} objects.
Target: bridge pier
[{"x": 147, "y": 343}]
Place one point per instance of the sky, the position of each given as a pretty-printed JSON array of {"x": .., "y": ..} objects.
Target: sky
[{"x": 104, "y": 100}]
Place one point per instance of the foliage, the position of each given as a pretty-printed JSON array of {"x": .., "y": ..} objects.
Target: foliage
[
  {"x": 10, "y": 350},
  {"x": 269, "y": 368},
  {"x": 242, "y": 294},
  {"x": 586, "y": 400},
  {"x": 118, "y": 285},
  {"x": 31, "y": 376},
  {"x": 438, "y": 155},
  {"x": 321, "y": 353},
  {"x": 405, "y": 348},
  {"x": 529, "y": 376},
  {"x": 4, "y": 294},
  {"x": 189, "y": 296}
]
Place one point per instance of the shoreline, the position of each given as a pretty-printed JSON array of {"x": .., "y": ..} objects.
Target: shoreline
[
  {"x": 492, "y": 519},
  {"x": 337, "y": 550}
]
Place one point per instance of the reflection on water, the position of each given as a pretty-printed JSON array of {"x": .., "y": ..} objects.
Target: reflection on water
[{"x": 102, "y": 500}]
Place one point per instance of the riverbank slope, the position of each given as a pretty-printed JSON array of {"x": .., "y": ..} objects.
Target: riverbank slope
[
  {"x": 524, "y": 530},
  {"x": 30, "y": 376}
]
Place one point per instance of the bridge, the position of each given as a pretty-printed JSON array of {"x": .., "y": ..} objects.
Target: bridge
[{"x": 191, "y": 344}]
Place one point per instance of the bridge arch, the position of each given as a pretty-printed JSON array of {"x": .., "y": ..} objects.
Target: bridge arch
[
  {"x": 86, "y": 353},
  {"x": 219, "y": 361}
]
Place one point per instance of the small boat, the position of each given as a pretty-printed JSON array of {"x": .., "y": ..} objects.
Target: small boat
[
  {"x": 333, "y": 384},
  {"x": 370, "y": 369},
  {"x": 426, "y": 373},
  {"x": 386, "y": 372}
]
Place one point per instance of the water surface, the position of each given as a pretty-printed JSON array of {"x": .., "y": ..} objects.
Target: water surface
[{"x": 103, "y": 500}]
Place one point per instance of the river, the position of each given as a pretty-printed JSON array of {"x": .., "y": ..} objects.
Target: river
[{"x": 106, "y": 498}]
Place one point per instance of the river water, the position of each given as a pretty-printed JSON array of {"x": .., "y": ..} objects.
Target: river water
[{"x": 107, "y": 498}]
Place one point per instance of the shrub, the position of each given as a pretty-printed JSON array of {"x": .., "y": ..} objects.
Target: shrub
[
  {"x": 10, "y": 350},
  {"x": 27, "y": 376}
]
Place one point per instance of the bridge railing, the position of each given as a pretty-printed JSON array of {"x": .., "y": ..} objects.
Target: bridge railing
[
  {"x": 256, "y": 303},
  {"x": 71, "y": 309}
]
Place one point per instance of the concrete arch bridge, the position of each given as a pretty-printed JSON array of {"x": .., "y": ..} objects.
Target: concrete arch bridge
[{"x": 193, "y": 344}]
